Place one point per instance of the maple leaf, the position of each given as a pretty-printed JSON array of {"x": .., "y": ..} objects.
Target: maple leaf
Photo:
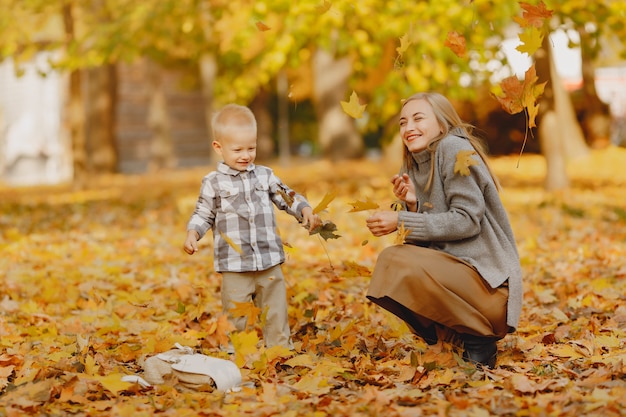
[
  {"x": 324, "y": 7},
  {"x": 262, "y": 26},
  {"x": 362, "y": 206},
  {"x": 353, "y": 108},
  {"x": 326, "y": 230},
  {"x": 521, "y": 95},
  {"x": 221, "y": 328},
  {"x": 328, "y": 198},
  {"x": 456, "y": 42},
  {"x": 232, "y": 244},
  {"x": 464, "y": 161},
  {"x": 405, "y": 42},
  {"x": 533, "y": 16},
  {"x": 402, "y": 234},
  {"x": 531, "y": 39},
  {"x": 246, "y": 309},
  {"x": 245, "y": 343}
]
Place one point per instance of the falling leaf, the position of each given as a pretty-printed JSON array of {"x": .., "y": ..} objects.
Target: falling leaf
[
  {"x": 531, "y": 40},
  {"x": 521, "y": 95},
  {"x": 534, "y": 16},
  {"x": 262, "y": 26},
  {"x": 353, "y": 108},
  {"x": 405, "y": 42},
  {"x": 362, "y": 206},
  {"x": 232, "y": 244},
  {"x": 328, "y": 198},
  {"x": 464, "y": 161},
  {"x": 456, "y": 42},
  {"x": 323, "y": 8},
  {"x": 246, "y": 309}
]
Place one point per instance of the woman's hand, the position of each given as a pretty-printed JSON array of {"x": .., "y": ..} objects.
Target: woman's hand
[
  {"x": 404, "y": 190},
  {"x": 382, "y": 222}
]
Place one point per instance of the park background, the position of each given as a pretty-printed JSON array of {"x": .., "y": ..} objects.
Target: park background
[{"x": 105, "y": 109}]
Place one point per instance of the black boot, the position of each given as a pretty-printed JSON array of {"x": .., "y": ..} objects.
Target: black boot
[
  {"x": 480, "y": 350},
  {"x": 429, "y": 334}
]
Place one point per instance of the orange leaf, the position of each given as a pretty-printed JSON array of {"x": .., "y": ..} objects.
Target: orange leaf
[
  {"x": 534, "y": 16},
  {"x": 246, "y": 309},
  {"x": 464, "y": 161},
  {"x": 456, "y": 42},
  {"x": 262, "y": 26}
]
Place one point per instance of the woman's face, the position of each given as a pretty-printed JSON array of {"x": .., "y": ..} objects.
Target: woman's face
[{"x": 418, "y": 125}]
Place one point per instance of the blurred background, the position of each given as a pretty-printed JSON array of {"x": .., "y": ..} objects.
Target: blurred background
[{"x": 128, "y": 86}]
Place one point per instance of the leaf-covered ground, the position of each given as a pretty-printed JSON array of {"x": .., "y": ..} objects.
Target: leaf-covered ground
[{"x": 94, "y": 281}]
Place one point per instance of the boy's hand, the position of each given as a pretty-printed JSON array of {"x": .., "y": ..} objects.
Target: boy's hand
[
  {"x": 191, "y": 243},
  {"x": 309, "y": 219}
]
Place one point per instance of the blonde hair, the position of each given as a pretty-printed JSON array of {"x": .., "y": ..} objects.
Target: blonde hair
[
  {"x": 230, "y": 117},
  {"x": 449, "y": 120}
]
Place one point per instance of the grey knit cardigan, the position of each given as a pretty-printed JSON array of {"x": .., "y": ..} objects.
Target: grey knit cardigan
[{"x": 463, "y": 215}]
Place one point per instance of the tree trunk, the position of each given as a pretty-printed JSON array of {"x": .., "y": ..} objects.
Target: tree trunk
[
  {"x": 561, "y": 137},
  {"x": 100, "y": 109},
  {"x": 76, "y": 111},
  {"x": 596, "y": 117},
  {"x": 338, "y": 136},
  {"x": 260, "y": 106},
  {"x": 161, "y": 146},
  {"x": 282, "y": 89}
]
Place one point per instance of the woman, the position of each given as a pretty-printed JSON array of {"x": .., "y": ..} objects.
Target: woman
[{"x": 459, "y": 267}]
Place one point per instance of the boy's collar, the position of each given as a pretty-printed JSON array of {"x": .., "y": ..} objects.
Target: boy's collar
[{"x": 225, "y": 169}]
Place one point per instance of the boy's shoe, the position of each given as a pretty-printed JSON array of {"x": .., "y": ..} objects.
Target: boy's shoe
[
  {"x": 230, "y": 349},
  {"x": 482, "y": 351}
]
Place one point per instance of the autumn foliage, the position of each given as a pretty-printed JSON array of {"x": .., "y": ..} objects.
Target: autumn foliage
[{"x": 95, "y": 281}]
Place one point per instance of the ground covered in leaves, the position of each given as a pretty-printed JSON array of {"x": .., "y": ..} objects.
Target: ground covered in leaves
[{"x": 95, "y": 281}]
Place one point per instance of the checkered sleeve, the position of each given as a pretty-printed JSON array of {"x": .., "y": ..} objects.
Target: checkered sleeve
[
  {"x": 285, "y": 198},
  {"x": 204, "y": 214}
]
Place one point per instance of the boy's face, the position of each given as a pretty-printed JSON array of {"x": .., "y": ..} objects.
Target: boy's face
[{"x": 237, "y": 148}]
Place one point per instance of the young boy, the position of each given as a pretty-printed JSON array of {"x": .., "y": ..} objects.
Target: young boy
[{"x": 235, "y": 201}]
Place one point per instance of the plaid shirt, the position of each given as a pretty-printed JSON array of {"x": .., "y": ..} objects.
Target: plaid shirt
[{"x": 236, "y": 205}]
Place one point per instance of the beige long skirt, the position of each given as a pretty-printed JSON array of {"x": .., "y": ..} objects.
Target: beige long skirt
[{"x": 424, "y": 287}]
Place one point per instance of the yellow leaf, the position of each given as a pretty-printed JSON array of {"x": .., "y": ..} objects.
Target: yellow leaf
[
  {"x": 531, "y": 40},
  {"x": 245, "y": 343},
  {"x": 113, "y": 382},
  {"x": 463, "y": 161},
  {"x": 362, "y": 206},
  {"x": 324, "y": 7},
  {"x": 353, "y": 108},
  {"x": 402, "y": 234},
  {"x": 300, "y": 360},
  {"x": 405, "y": 42},
  {"x": 278, "y": 351},
  {"x": 232, "y": 244},
  {"x": 330, "y": 196}
]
